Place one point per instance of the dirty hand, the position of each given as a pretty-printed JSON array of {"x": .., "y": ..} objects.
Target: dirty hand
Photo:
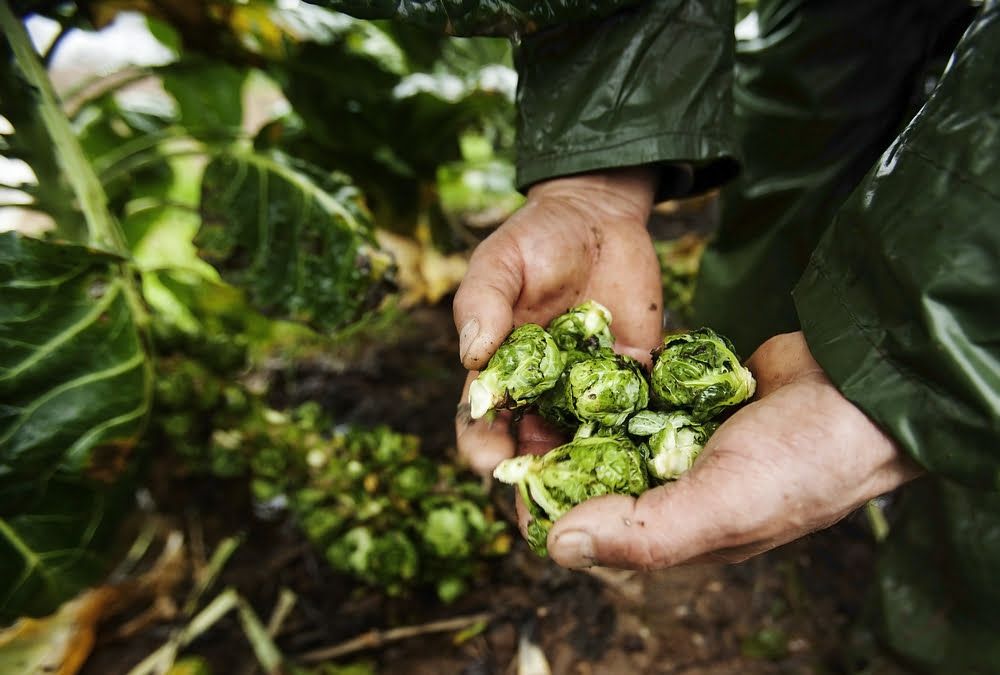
[
  {"x": 576, "y": 238},
  {"x": 797, "y": 459}
]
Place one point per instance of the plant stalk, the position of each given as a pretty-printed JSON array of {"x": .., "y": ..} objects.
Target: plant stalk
[{"x": 103, "y": 230}]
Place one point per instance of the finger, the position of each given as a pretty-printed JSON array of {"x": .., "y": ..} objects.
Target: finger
[
  {"x": 534, "y": 437},
  {"x": 779, "y": 361},
  {"x": 665, "y": 526},
  {"x": 643, "y": 356},
  {"x": 482, "y": 443},
  {"x": 483, "y": 305}
]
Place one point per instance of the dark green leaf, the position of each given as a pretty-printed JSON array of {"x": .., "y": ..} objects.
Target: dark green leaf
[
  {"x": 295, "y": 238},
  {"x": 53, "y": 546},
  {"x": 73, "y": 372},
  {"x": 209, "y": 95},
  {"x": 74, "y": 386}
]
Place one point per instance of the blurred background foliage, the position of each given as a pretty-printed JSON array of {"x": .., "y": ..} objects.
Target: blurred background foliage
[{"x": 276, "y": 179}]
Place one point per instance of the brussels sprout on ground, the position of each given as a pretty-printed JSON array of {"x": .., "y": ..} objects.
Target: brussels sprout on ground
[
  {"x": 674, "y": 442},
  {"x": 389, "y": 560},
  {"x": 565, "y": 476},
  {"x": 525, "y": 365},
  {"x": 455, "y": 528},
  {"x": 584, "y": 328},
  {"x": 699, "y": 372}
]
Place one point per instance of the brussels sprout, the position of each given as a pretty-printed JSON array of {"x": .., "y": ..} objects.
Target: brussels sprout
[
  {"x": 524, "y": 366},
  {"x": 570, "y": 474},
  {"x": 446, "y": 530},
  {"x": 225, "y": 456},
  {"x": 675, "y": 441},
  {"x": 387, "y": 447},
  {"x": 269, "y": 462},
  {"x": 414, "y": 480},
  {"x": 450, "y": 589},
  {"x": 322, "y": 522},
  {"x": 592, "y": 429},
  {"x": 584, "y": 328},
  {"x": 699, "y": 371},
  {"x": 393, "y": 560},
  {"x": 553, "y": 405},
  {"x": 350, "y": 553},
  {"x": 388, "y": 560},
  {"x": 606, "y": 389}
]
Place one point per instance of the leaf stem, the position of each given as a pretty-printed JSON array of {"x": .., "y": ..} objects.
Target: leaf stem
[{"x": 103, "y": 230}]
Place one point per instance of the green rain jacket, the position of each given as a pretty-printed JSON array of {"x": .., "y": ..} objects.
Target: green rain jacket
[{"x": 867, "y": 213}]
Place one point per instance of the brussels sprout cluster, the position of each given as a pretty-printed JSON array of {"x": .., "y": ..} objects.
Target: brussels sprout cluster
[
  {"x": 631, "y": 430},
  {"x": 369, "y": 500}
]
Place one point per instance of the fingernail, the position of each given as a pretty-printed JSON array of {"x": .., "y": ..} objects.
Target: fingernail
[
  {"x": 468, "y": 335},
  {"x": 573, "y": 549}
]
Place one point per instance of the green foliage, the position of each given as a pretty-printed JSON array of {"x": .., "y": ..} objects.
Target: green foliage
[
  {"x": 294, "y": 240},
  {"x": 145, "y": 179},
  {"x": 527, "y": 364},
  {"x": 74, "y": 382},
  {"x": 570, "y": 474},
  {"x": 54, "y": 543},
  {"x": 390, "y": 106},
  {"x": 208, "y": 94},
  {"x": 699, "y": 372}
]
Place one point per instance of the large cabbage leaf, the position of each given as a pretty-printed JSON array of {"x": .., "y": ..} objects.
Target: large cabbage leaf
[
  {"x": 74, "y": 393},
  {"x": 295, "y": 238}
]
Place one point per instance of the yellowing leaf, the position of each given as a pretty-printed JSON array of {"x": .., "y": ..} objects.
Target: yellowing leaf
[
  {"x": 423, "y": 274},
  {"x": 58, "y": 644}
]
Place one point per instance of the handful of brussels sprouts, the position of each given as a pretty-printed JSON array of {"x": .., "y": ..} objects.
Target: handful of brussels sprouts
[{"x": 630, "y": 430}]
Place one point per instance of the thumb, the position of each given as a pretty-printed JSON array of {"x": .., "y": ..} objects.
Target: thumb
[
  {"x": 484, "y": 303},
  {"x": 665, "y": 526}
]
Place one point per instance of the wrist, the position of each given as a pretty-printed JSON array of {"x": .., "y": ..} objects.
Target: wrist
[{"x": 625, "y": 191}]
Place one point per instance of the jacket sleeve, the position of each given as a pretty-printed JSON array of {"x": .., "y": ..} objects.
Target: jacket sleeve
[
  {"x": 650, "y": 84},
  {"x": 900, "y": 302}
]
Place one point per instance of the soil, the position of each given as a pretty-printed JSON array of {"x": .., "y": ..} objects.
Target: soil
[{"x": 793, "y": 610}]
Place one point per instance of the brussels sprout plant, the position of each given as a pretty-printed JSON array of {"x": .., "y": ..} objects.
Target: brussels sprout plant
[{"x": 631, "y": 430}]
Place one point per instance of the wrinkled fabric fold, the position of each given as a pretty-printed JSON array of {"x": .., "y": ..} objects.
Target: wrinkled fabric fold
[
  {"x": 819, "y": 94},
  {"x": 650, "y": 84},
  {"x": 904, "y": 288}
]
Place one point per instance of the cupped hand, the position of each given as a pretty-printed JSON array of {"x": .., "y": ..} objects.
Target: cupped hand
[
  {"x": 797, "y": 459},
  {"x": 576, "y": 238}
]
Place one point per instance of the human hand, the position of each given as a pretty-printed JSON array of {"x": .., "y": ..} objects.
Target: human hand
[
  {"x": 576, "y": 238},
  {"x": 797, "y": 459}
]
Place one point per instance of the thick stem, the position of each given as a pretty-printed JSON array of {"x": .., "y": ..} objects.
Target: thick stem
[{"x": 104, "y": 232}]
